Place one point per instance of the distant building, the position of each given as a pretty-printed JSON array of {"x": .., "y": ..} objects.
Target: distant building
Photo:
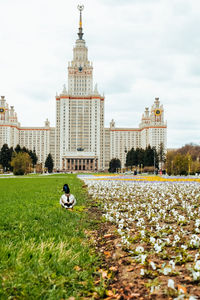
[{"x": 79, "y": 141}]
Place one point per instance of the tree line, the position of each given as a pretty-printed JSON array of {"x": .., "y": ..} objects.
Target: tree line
[
  {"x": 147, "y": 159},
  {"x": 21, "y": 160},
  {"x": 142, "y": 157},
  {"x": 182, "y": 161}
]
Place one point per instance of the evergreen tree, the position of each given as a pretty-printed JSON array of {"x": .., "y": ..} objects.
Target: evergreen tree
[
  {"x": 11, "y": 155},
  {"x": 5, "y": 157},
  {"x": 114, "y": 165},
  {"x": 140, "y": 156},
  {"x": 25, "y": 150},
  {"x": 149, "y": 156},
  {"x": 17, "y": 148},
  {"x": 134, "y": 157},
  {"x": 131, "y": 158},
  {"x": 161, "y": 155},
  {"x": 49, "y": 163},
  {"x": 33, "y": 156}
]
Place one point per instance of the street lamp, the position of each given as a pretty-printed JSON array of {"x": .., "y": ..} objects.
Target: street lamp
[
  {"x": 125, "y": 151},
  {"x": 154, "y": 161},
  {"x": 172, "y": 167},
  {"x": 189, "y": 167}
]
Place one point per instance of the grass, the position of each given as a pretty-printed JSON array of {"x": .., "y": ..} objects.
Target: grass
[{"x": 44, "y": 253}]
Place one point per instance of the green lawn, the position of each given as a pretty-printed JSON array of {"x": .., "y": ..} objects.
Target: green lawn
[{"x": 44, "y": 253}]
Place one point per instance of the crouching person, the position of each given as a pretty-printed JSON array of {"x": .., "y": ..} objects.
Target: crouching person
[{"x": 67, "y": 200}]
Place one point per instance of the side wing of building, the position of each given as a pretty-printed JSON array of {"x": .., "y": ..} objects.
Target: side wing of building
[{"x": 152, "y": 132}]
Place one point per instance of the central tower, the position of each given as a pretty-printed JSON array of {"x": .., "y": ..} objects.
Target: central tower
[
  {"x": 80, "y": 70},
  {"x": 80, "y": 115}
]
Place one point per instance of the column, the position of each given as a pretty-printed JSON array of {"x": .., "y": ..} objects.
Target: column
[
  {"x": 78, "y": 164},
  {"x": 66, "y": 164},
  {"x": 63, "y": 161},
  {"x": 70, "y": 164},
  {"x": 90, "y": 163},
  {"x": 74, "y": 164},
  {"x": 97, "y": 163},
  {"x": 94, "y": 164}
]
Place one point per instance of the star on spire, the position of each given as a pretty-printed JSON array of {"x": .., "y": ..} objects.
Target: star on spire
[{"x": 80, "y": 33}]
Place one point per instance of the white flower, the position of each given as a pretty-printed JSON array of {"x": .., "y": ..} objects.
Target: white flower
[
  {"x": 196, "y": 256},
  {"x": 196, "y": 275},
  {"x": 121, "y": 226},
  {"x": 139, "y": 249},
  {"x": 167, "y": 240},
  {"x": 153, "y": 265},
  {"x": 172, "y": 263},
  {"x": 180, "y": 297},
  {"x": 167, "y": 270},
  {"x": 184, "y": 247},
  {"x": 195, "y": 241},
  {"x": 157, "y": 248},
  {"x": 181, "y": 218},
  {"x": 152, "y": 239},
  {"x": 197, "y": 223},
  {"x": 152, "y": 289},
  {"x": 197, "y": 265},
  {"x": 120, "y": 231},
  {"x": 193, "y": 298},
  {"x": 171, "y": 284},
  {"x": 142, "y": 272},
  {"x": 143, "y": 258}
]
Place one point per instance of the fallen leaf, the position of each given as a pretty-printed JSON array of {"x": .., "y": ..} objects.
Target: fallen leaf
[
  {"x": 113, "y": 269},
  {"x": 182, "y": 289},
  {"x": 77, "y": 268},
  {"x": 107, "y": 253},
  {"x": 130, "y": 269},
  {"x": 95, "y": 295},
  {"x": 84, "y": 283},
  {"x": 107, "y": 235},
  {"x": 109, "y": 293},
  {"x": 103, "y": 273},
  {"x": 188, "y": 278}
]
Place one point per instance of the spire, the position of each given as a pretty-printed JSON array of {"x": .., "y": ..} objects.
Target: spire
[{"x": 80, "y": 33}]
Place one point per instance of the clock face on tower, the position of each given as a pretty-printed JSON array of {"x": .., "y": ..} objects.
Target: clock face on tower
[
  {"x": 2, "y": 110},
  {"x": 157, "y": 112},
  {"x": 80, "y": 69}
]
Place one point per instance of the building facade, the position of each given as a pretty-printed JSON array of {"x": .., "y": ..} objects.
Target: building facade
[
  {"x": 79, "y": 141},
  {"x": 152, "y": 131}
]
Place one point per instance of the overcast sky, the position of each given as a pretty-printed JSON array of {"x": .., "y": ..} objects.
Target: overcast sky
[{"x": 140, "y": 49}]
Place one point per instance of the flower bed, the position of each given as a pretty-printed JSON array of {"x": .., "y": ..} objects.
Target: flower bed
[{"x": 158, "y": 219}]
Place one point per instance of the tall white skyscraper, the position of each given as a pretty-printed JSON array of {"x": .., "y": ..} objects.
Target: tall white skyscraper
[{"x": 80, "y": 114}]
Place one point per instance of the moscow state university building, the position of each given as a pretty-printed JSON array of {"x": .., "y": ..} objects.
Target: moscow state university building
[{"x": 80, "y": 141}]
